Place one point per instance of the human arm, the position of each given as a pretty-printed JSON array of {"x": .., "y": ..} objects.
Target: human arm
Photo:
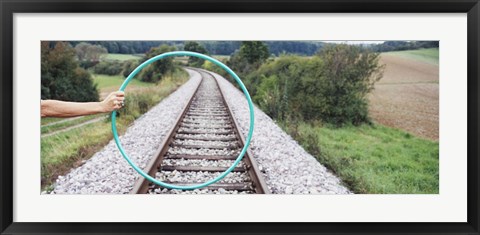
[{"x": 56, "y": 108}]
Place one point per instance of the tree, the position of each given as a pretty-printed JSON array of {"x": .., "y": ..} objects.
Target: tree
[
  {"x": 81, "y": 50},
  {"x": 155, "y": 71},
  {"x": 95, "y": 52},
  {"x": 195, "y": 47},
  {"x": 254, "y": 51},
  {"x": 250, "y": 56},
  {"x": 350, "y": 73},
  {"x": 88, "y": 52},
  {"x": 61, "y": 76}
]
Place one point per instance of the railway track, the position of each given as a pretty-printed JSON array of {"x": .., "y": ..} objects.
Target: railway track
[{"x": 204, "y": 142}]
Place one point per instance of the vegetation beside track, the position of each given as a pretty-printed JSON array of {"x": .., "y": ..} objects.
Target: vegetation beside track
[
  {"x": 322, "y": 103},
  {"x": 373, "y": 159}
]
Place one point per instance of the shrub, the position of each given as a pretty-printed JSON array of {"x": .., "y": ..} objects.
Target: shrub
[
  {"x": 108, "y": 67},
  {"x": 128, "y": 67},
  {"x": 350, "y": 73},
  {"x": 87, "y": 64},
  {"x": 215, "y": 68},
  {"x": 135, "y": 105},
  {"x": 331, "y": 86},
  {"x": 195, "y": 47},
  {"x": 158, "y": 69}
]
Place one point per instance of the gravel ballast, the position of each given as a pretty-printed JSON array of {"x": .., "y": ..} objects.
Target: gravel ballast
[{"x": 286, "y": 166}]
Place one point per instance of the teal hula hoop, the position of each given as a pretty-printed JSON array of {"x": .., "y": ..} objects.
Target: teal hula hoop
[{"x": 247, "y": 141}]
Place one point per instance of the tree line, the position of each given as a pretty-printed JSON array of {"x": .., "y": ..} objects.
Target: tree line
[
  {"x": 213, "y": 47},
  {"x": 307, "y": 48},
  {"x": 403, "y": 45}
]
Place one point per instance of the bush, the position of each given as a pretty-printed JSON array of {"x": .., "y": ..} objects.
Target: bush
[
  {"x": 350, "y": 73},
  {"x": 195, "y": 47},
  {"x": 87, "y": 64},
  {"x": 207, "y": 65},
  {"x": 278, "y": 89},
  {"x": 61, "y": 76},
  {"x": 331, "y": 86},
  {"x": 158, "y": 69},
  {"x": 136, "y": 104},
  {"x": 128, "y": 67},
  {"x": 108, "y": 67},
  {"x": 250, "y": 56}
]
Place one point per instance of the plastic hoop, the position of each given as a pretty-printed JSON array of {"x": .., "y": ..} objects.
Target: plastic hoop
[{"x": 247, "y": 141}]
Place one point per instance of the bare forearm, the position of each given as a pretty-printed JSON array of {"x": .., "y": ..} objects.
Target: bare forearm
[{"x": 55, "y": 108}]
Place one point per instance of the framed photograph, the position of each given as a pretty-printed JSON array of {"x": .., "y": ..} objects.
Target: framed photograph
[{"x": 255, "y": 117}]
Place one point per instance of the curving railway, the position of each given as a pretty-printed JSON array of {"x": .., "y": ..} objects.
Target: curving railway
[
  {"x": 190, "y": 137},
  {"x": 203, "y": 143}
]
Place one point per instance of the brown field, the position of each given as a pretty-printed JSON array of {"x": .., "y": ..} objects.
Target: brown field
[{"x": 407, "y": 96}]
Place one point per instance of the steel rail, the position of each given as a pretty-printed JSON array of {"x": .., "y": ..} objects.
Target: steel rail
[{"x": 142, "y": 185}]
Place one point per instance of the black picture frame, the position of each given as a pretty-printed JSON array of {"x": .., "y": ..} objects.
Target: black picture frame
[{"x": 9, "y": 7}]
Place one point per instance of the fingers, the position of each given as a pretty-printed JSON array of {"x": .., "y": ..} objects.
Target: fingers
[
  {"x": 117, "y": 107},
  {"x": 118, "y": 93},
  {"x": 114, "y": 101},
  {"x": 119, "y": 98},
  {"x": 119, "y": 101}
]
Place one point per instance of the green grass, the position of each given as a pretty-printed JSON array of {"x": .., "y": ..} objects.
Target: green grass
[
  {"x": 108, "y": 81},
  {"x": 429, "y": 55},
  {"x": 62, "y": 151},
  {"x": 121, "y": 57},
  {"x": 375, "y": 159},
  {"x": 63, "y": 125},
  {"x": 56, "y": 149}
]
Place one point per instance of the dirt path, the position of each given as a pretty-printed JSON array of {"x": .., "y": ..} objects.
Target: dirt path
[
  {"x": 61, "y": 121},
  {"x": 407, "y": 97},
  {"x": 74, "y": 126}
]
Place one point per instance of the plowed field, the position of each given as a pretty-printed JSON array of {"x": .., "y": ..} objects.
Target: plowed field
[{"x": 407, "y": 97}]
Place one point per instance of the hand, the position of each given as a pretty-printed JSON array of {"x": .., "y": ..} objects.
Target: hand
[{"x": 114, "y": 101}]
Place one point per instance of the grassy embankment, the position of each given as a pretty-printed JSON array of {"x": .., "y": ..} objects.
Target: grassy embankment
[
  {"x": 374, "y": 159},
  {"x": 62, "y": 151}
]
